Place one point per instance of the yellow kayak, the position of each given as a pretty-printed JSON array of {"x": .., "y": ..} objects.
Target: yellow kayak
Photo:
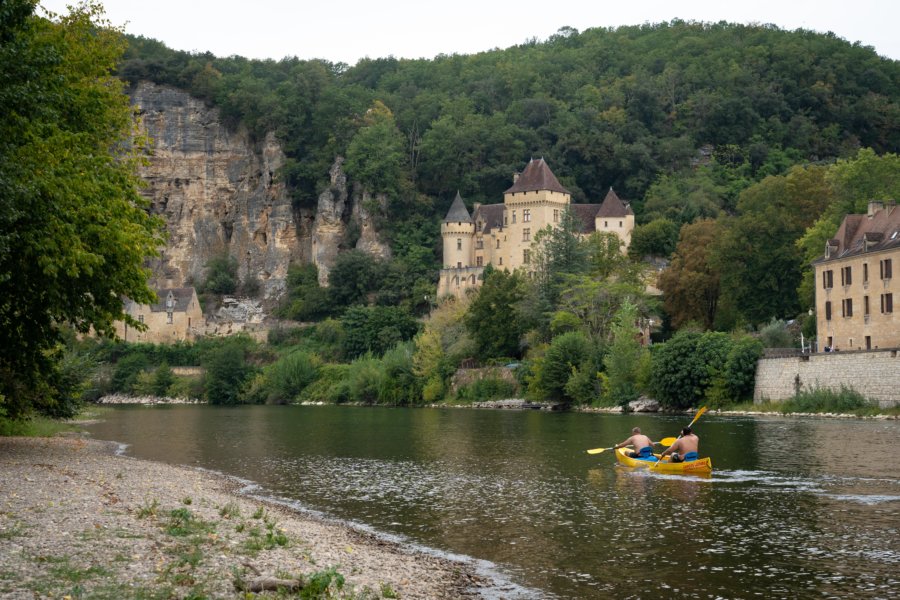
[{"x": 701, "y": 466}]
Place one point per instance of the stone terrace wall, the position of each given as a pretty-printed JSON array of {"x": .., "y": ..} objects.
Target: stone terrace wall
[{"x": 874, "y": 374}]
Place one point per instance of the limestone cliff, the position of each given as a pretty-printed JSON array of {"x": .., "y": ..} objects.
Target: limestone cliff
[{"x": 218, "y": 194}]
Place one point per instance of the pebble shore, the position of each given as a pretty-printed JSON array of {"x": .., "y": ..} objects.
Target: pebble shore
[{"x": 78, "y": 520}]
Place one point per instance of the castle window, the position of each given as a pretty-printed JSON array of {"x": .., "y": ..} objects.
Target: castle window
[
  {"x": 169, "y": 317},
  {"x": 846, "y": 279},
  {"x": 606, "y": 223},
  {"x": 479, "y": 261},
  {"x": 514, "y": 216},
  {"x": 865, "y": 272},
  {"x": 456, "y": 281},
  {"x": 556, "y": 215},
  {"x": 886, "y": 268},
  {"x": 620, "y": 223},
  {"x": 479, "y": 244},
  {"x": 498, "y": 243},
  {"x": 458, "y": 244},
  {"x": 459, "y": 265},
  {"x": 847, "y": 307},
  {"x": 140, "y": 318},
  {"x": 501, "y": 261},
  {"x": 526, "y": 215},
  {"x": 526, "y": 256},
  {"x": 887, "y": 303},
  {"x": 478, "y": 226},
  {"x": 828, "y": 311},
  {"x": 526, "y": 235},
  {"x": 866, "y": 306},
  {"x": 827, "y": 280}
]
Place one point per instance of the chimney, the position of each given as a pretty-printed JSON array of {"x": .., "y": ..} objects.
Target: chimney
[
  {"x": 890, "y": 206},
  {"x": 475, "y": 206},
  {"x": 516, "y": 177},
  {"x": 874, "y": 207}
]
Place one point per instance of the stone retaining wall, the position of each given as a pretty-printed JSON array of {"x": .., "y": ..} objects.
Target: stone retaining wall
[{"x": 874, "y": 374}]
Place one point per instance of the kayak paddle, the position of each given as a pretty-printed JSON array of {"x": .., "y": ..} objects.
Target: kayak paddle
[{"x": 665, "y": 442}]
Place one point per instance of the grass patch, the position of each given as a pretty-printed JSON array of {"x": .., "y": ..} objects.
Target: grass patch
[
  {"x": 230, "y": 511},
  {"x": 149, "y": 509},
  {"x": 182, "y": 522},
  {"x": 822, "y": 400}
]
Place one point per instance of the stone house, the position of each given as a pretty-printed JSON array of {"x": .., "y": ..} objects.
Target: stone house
[
  {"x": 855, "y": 286},
  {"x": 176, "y": 316},
  {"x": 501, "y": 234}
]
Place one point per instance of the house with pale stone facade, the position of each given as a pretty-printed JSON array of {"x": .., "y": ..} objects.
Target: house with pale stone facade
[
  {"x": 176, "y": 316},
  {"x": 855, "y": 284},
  {"x": 501, "y": 234}
]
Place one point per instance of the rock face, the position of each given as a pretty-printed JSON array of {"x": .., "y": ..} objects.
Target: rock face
[{"x": 218, "y": 194}]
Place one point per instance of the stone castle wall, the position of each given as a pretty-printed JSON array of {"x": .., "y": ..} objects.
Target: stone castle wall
[{"x": 874, "y": 374}]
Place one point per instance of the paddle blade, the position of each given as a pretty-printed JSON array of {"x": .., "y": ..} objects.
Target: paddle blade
[
  {"x": 697, "y": 416},
  {"x": 667, "y": 441},
  {"x": 597, "y": 450}
]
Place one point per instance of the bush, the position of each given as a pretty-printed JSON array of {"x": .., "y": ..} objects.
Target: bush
[
  {"x": 221, "y": 276},
  {"x": 737, "y": 378},
  {"x": 823, "y": 400},
  {"x": 776, "y": 335},
  {"x": 285, "y": 379},
  {"x": 685, "y": 366},
  {"x": 566, "y": 354},
  {"x": 487, "y": 389},
  {"x": 125, "y": 376},
  {"x": 375, "y": 329},
  {"x": 400, "y": 386},
  {"x": 331, "y": 386},
  {"x": 227, "y": 370}
]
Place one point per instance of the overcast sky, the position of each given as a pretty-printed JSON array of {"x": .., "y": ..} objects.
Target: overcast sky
[{"x": 352, "y": 29}]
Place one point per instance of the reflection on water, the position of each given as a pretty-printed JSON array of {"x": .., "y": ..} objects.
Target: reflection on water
[{"x": 791, "y": 509}]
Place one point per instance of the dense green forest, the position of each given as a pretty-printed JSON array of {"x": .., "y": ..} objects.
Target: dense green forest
[{"x": 739, "y": 147}]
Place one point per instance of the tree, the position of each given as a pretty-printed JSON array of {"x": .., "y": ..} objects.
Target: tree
[
  {"x": 494, "y": 320},
  {"x": 624, "y": 357},
  {"x": 227, "y": 370},
  {"x": 74, "y": 231},
  {"x": 691, "y": 283},
  {"x": 376, "y": 156},
  {"x": 375, "y": 329},
  {"x": 657, "y": 238},
  {"x": 355, "y": 274},
  {"x": 568, "y": 353}
]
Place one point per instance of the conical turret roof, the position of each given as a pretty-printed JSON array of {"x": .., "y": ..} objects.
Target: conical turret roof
[
  {"x": 458, "y": 212},
  {"x": 537, "y": 176},
  {"x": 613, "y": 207}
]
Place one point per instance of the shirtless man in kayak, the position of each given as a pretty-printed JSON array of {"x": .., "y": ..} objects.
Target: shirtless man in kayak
[
  {"x": 685, "y": 447},
  {"x": 642, "y": 444}
]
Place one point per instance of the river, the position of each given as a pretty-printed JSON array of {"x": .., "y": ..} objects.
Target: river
[{"x": 795, "y": 507}]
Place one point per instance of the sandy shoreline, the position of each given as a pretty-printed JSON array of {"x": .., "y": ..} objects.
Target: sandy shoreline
[{"x": 76, "y": 519}]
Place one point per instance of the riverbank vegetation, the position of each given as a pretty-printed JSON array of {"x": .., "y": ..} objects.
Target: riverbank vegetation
[{"x": 739, "y": 148}]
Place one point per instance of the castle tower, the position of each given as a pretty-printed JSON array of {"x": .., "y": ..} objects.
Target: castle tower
[
  {"x": 616, "y": 217},
  {"x": 458, "y": 233},
  {"x": 458, "y": 230},
  {"x": 535, "y": 200}
]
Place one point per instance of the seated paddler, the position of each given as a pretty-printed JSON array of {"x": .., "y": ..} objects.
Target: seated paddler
[
  {"x": 643, "y": 447},
  {"x": 685, "y": 448}
]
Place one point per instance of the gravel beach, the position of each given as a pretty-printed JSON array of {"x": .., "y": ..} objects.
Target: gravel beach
[{"x": 77, "y": 520}]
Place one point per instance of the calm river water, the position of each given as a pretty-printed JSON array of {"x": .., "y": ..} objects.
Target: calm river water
[{"x": 795, "y": 508}]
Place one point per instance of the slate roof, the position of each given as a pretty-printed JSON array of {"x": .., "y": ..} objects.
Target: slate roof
[
  {"x": 537, "y": 176},
  {"x": 613, "y": 207},
  {"x": 586, "y": 214},
  {"x": 458, "y": 212},
  {"x": 180, "y": 296},
  {"x": 491, "y": 215},
  {"x": 861, "y": 234}
]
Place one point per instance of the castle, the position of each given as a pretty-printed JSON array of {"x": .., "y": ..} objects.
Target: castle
[{"x": 501, "y": 234}]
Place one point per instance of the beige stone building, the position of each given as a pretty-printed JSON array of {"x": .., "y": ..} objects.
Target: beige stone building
[
  {"x": 855, "y": 286},
  {"x": 177, "y": 316},
  {"x": 501, "y": 234}
]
